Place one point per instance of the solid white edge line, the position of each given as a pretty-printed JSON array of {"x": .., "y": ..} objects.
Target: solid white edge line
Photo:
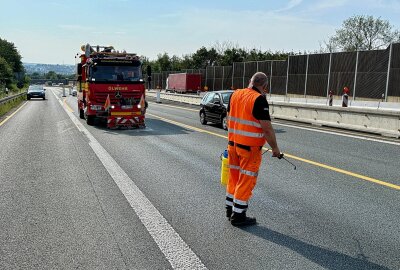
[{"x": 176, "y": 251}]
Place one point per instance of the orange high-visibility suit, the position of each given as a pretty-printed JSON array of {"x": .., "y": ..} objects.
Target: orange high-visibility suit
[{"x": 246, "y": 139}]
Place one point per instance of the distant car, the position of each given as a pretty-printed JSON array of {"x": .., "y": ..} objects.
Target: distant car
[
  {"x": 36, "y": 91},
  {"x": 74, "y": 92},
  {"x": 213, "y": 107}
]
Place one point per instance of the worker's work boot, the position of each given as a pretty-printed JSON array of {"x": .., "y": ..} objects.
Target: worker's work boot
[
  {"x": 228, "y": 212},
  {"x": 240, "y": 219}
]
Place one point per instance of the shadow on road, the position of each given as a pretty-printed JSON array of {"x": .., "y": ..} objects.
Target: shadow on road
[
  {"x": 161, "y": 128},
  {"x": 322, "y": 256}
]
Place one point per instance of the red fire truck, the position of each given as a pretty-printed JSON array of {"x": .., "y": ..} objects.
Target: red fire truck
[{"x": 111, "y": 87}]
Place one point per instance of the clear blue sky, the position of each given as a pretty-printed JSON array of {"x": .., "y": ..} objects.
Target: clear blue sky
[{"x": 51, "y": 31}]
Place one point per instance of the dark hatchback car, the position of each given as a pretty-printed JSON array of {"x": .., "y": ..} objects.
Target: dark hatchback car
[
  {"x": 36, "y": 91},
  {"x": 213, "y": 107}
]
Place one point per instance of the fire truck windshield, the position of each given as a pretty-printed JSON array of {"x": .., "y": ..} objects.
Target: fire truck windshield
[{"x": 110, "y": 73}]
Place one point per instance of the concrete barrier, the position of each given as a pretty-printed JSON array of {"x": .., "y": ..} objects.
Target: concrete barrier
[
  {"x": 190, "y": 99},
  {"x": 386, "y": 123},
  {"x": 372, "y": 120}
]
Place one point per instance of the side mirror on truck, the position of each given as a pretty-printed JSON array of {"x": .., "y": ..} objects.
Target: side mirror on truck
[{"x": 79, "y": 69}]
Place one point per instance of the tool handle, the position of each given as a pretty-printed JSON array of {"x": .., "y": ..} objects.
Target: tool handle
[{"x": 280, "y": 156}]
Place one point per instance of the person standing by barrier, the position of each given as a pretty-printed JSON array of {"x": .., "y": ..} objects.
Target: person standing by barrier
[
  {"x": 249, "y": 127},
  {"x": 330, "y": 98},
  {"x": 345, "y": 97}
]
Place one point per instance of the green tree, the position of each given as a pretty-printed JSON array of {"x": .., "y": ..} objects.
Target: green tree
[
  {"x": 51, "y": 75},
  {"x": 203, "y": 58},
  {"x": 11, "y": 55},
  {"x": 36, "y": 75},
  {"x": 362, "y": 33},
  {"x": 176, "y": 63},
  {"x": 187, "y": 62},
  {"x": 162, "y": 63},
  {"x": 27, "y": 80},
  {"x": 200, "y": 58},
  {"x": 6, "y": 72},
  {"x": 232, "y": 55}
]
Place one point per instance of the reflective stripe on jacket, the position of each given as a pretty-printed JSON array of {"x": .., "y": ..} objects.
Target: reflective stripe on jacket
[{"x": 243, "y": 128}]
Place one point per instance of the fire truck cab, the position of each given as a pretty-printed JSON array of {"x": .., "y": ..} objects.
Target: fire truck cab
[{"x": 111, "y": 87}]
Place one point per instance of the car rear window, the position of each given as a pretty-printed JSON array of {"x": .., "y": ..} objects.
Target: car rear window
[{"x": 35, "y": 88}]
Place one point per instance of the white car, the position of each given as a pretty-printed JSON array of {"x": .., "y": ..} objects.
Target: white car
[{"x": 74, "y": 92}]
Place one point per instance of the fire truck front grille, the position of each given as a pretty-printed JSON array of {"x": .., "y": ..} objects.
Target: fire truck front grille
[{"x": 128, "y": 98}]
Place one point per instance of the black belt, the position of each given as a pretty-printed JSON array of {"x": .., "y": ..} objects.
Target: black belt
[{"x": 245, "y": 147}]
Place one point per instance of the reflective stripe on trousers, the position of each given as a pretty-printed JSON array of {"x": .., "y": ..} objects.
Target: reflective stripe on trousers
[
  {"x": 238, "y": 206},
  {"x": 234, "y": 167},
  {"x": 243, "y": 172}
]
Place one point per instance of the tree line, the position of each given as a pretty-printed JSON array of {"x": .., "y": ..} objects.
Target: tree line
[
  {"x": 51, "y": 75},
  {"x": 359, "y": 32},
  {"x": 12, "y": 72},
  {"x": 219, "y": 54},
  {"x": 11, "y": 68}
]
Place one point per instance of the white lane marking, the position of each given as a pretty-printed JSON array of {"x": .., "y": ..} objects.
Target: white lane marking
[{"x": 177, "y": 252}]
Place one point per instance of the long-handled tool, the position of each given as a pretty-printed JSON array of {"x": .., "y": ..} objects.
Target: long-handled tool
[{"x": 281, "y": 156}]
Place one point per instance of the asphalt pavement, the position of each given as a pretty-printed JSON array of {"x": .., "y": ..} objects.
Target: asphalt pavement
[{"x": 79, "y": 196}]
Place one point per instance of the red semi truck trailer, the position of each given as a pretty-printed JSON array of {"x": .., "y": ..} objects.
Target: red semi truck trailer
[{"x": 184, "y": 82}]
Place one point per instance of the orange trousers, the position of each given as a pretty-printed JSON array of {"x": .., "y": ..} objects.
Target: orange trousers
[{"x": 243, "y": 171}]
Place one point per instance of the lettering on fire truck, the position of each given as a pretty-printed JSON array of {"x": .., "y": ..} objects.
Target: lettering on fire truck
[{"x": 117, "y": 88}]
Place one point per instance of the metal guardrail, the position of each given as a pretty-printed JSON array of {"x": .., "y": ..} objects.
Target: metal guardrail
[{"x": 6, "y": 99}]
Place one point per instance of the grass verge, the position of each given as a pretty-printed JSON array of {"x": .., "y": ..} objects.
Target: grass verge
[{"x": 11, "y": 104}]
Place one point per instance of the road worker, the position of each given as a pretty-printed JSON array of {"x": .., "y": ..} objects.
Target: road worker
[
  {"x": 330, "y": 98},
  {"x": 345, "y": 97},
  {"x": 249, "y": 124}
]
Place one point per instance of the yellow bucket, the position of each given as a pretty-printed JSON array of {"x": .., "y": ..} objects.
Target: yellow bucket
[{"x": 224, "y": 168}]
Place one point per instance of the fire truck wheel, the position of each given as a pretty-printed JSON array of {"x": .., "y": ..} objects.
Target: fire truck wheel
[
  {"x": 81, "y": 114},
  {"x": 90, "y": 120}
]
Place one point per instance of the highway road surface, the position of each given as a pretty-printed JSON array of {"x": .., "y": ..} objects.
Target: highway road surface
[{"x": 75, "y": 196}]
